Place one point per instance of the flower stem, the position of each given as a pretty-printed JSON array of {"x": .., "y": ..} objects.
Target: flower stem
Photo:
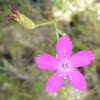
[
  {"x": 43, "y": 24},
  {"x": 57, "y": 31}
]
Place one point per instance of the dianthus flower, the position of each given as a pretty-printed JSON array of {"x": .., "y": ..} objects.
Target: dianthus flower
[{"x": 65, "y": 65}]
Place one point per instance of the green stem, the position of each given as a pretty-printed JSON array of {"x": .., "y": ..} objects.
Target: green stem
[
  {"x": 57, "y": 31},
  {"x": 43, "y": 24},
  {"x": 55, "y": 25}
]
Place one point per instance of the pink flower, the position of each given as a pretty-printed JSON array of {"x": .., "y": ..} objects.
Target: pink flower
[{"x": 65, "y": 65}]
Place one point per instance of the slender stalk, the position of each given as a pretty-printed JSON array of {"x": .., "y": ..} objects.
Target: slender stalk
[
  {"x": 43, "y": 24},
  {"x": 57, "y": 33}
]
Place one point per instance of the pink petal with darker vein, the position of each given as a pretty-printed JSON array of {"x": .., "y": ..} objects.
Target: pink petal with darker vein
[
  {"x": 54, "y": 83},
  {"x": 64, "y": 47},
  {"x": 47, "y": 62},
  {"x": 82, "y": 58},
  {"x": 76, "y": 79}
]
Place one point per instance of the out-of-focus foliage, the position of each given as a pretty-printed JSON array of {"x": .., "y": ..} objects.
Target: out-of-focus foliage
[{"x": 20, "y": 79}]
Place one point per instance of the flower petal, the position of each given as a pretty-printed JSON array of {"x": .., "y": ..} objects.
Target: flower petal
[
  {"x": 76, "y": 79},
  {"x": 82, "y": 58},
  {"x": 54, "y": 83},
  {"x": 47, "y": 62},
  {"x": 64, "y": 46}
]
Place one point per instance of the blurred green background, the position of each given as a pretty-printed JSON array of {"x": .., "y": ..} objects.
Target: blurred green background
[{"x": 20, "y": 78}]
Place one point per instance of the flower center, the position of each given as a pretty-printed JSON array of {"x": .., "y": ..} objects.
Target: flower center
[{"x": 63, "y": 69}]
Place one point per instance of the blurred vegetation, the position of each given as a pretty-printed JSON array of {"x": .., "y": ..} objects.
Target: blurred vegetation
[{"x": 20, "y": 79}]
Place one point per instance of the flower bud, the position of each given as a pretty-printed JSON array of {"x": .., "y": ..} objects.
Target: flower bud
[
  {"x": 25, "y": 21},
  {"x": 20, "y": 18},
  {"x": 64, "y": 34}
]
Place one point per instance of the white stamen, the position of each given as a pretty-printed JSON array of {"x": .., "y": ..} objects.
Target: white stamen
[
  {"x": 70, "y": 76},
  {"x": 60, "y": 74},
  {"x": 66, "y": 60},
  {"x": 63, "y": 69}
]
